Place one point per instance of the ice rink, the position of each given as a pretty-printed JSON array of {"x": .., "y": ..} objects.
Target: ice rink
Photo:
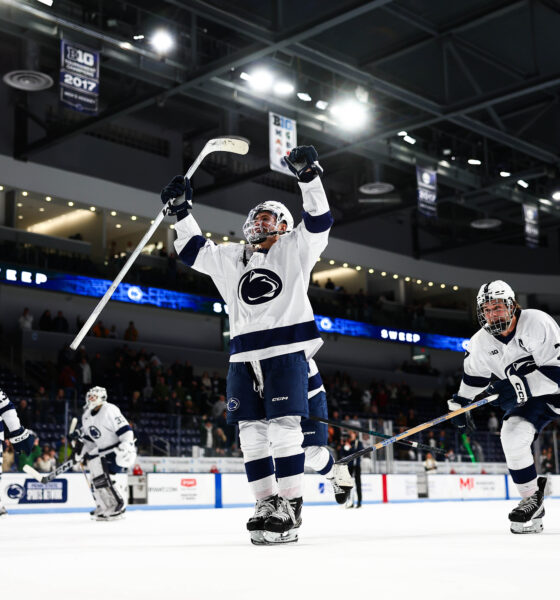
[{"x": 420, "y": 550}]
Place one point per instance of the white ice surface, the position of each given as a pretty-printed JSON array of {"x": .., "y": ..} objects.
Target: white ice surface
[{"x": 430, "y": 550}]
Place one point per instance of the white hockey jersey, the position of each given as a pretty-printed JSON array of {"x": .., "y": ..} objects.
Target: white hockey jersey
[
  {"x": 266, "y": 292},
  {"x": 315, "y": 383},
  {"x": 8, "y": 415},
  {"x": 530, "y": 353},
  {"x": 105, "y": 429}
]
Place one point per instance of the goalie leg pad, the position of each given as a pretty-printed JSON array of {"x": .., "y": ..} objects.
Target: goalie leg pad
[{"x": 106, "y": 495}]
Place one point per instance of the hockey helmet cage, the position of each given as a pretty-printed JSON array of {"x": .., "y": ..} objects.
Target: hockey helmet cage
[
  {"x": 492, "y": 291},
  {"x": 255, "y": 233}
]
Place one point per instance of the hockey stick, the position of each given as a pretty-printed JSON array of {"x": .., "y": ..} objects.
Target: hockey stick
[
  {"x": 418, "y": 428},
  {"x": 409, "y": 443},
  {"x": 236, "y": 145}
]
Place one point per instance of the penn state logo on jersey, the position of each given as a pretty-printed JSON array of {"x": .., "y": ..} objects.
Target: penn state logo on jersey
[
  {"x": 258, "y": 286},
  {"x": 94, "y": 432}
]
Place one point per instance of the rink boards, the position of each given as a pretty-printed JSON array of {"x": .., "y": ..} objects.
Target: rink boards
[{"x": 70, "y": 492}]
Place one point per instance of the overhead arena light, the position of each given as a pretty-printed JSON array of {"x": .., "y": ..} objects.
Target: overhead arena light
[
  {"x": 556, "y": 196},
  {"x": 321, "y": 104},
  {"x": 485, "y": 223},
  {"x": 409, "y": 140},
  {"x": 545, "y": 201},
  {"x": 46, "y": 2},
  {"x": 349, "y": 114},
  {"x": 522, "y": 183},
  {"x": 283, "y": 88},
  {"x": 505, "y": 174},
  {"x": 474, "y": 161},
  {"x": 304, "y": 96},
  {"x": 402, "y": 133},
  {"x": 162, "y": 41},
  {"x": 260, "y": 80}
]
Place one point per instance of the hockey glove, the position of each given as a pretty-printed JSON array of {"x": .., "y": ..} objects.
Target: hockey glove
[
  {"x": 175, "y": 189},
  {"x": 23, "y": 440},
  {"x": 464, "y": 421},
  {"x": 125, "y": 455},
  {"x": 303, "y": 162},
  {"x": 508, "y": 397}
]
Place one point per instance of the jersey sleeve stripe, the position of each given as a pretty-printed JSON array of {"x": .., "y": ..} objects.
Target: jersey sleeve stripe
[
  {"x": 123, "y": 429},
  {"x": 190, "y": 252},
  {"x": 278, "y": 336},
  {"x": 472, "y": 381},
  {"x": 7, "y": 407},
  {"x": 551, "y": 372},
  {"x": 319, "y": 223},
  {"x": 315, "y": 383}
]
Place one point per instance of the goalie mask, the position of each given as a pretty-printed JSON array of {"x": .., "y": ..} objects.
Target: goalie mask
[
  {"x": 256, "y": 230},
  {"x": 495, "y": 306},
  {"x": 95, "y": 397}
]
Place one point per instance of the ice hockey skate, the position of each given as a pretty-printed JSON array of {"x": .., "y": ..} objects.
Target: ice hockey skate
[
  {"x": 341, "y": 482},
  {"x": 3, "y": 511},
  {"x": 255, "y": 525},
  {"x": 527, "y": 516},
  {"x": 281, "y": 527},
  {"x": 114, "y": 516}
]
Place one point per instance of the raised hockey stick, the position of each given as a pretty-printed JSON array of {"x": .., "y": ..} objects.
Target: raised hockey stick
[
  {"x": 418, "y": 428},
  {"x": 234, "y": 144},
  {"x": 409, "y": 443}
]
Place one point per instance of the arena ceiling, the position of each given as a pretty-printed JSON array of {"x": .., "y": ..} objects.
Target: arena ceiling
[{"x": 468, "y": 79}]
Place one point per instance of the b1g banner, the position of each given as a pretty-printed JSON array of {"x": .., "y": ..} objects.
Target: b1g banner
[
  {"x": 79, "y": 78},
  {"x": 426, "y": 179},
  {"x": 531, "y": 216},
  {"x": 282, "y": 137}
]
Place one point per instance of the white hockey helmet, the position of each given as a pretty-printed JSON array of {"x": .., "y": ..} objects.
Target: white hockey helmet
[
  {"x": 495, "y": 290},
  {"x": 256, "y": 233},
  {"x": 95, "y": 397}
]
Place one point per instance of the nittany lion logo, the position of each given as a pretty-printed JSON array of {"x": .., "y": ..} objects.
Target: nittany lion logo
[
  {"x": 258, "y": 286},
  {"x": 94, "y": 432},
  {"x": 15, "y": 491},
  {"x": 233, "y": 404}
]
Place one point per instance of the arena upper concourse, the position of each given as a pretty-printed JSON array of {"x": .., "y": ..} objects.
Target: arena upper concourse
[{"x": 437, "y": 130}]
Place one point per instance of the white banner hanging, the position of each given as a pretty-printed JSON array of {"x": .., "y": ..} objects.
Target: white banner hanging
[{"x": 282, "y": 137}]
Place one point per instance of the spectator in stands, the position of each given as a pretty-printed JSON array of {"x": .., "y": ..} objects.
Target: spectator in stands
[
  {"x": 29, "y": 459},
  {"x": 64, "y": 451},
  {"x": 99, "y": 330},
  {"x": 430, "y": 464},
  {"x": 547, "y": 461},
  {"x": 40, "y": 404},
  {"x": 25, "y": 413},
  {"x": 493, "y": 423},
  {"x": 25, "y": 321},
  {"x": 431, "y": 439},
  {"x": 206, "y": 433},
  {"x": 113, "y": 332},
  {"x": 329, "y": 285},
  {"x": 60, "y": 324},
  {"x": 45, "y": 463},
  {"x": 8, "y": 457},
  {"x": 85, "y": 380},
  {"x": 219, "y": 406},
  {"x": 67, "y": 380},
  {"x": 131, "y": 333},
  {"x": 46, "y": 322}
]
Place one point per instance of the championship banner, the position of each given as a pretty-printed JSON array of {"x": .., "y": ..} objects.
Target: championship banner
[
  {"x": 79, "y": 78},
  {"x": 531, "y": 216},
  {"x": 282, "y": 137},
  {"x": 427, "y": 191}
]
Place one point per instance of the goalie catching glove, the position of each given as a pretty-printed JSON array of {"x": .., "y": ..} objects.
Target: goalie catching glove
[
  {"x": 303, "y": 162},
  {"x": 176, "y": 188}
]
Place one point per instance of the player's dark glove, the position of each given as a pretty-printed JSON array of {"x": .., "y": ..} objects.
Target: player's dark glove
[
  {"x": 23, "y": 440},
  {"x": 303, "y": 162},
  {"x": 464, "y": 421},
  {"x": 507, "y": 396},
  {"x": 175, "y": 189}
]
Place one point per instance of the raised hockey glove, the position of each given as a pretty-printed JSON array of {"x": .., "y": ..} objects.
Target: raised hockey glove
[
  {"x": 508, "y": 396},
  {"x": 464, "y": 421},
  {"x": 303, "y": 162},
  {"x": 174, "y": 190},
  {"x": 23, "y": 440},
  {"x": 125, "y": 455}
]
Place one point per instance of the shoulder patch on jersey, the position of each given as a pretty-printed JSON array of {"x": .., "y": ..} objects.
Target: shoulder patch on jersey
[{"x": 258, "y": 286}]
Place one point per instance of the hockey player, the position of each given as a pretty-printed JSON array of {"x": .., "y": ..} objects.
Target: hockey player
[
  {"x": 273, "y": 334},
  {"x": 516, "y": 355},
  {"x": 105, "y": 442},
  {"x": 315, "y": 438},
  {"x": 22, "y": 439}
]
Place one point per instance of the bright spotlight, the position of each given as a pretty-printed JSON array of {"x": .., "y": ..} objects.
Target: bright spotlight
[
  {"x": 162, "y": 41},
  {"x": 402, "y": 133},
  {"x": 522, "y": 183},
  {"x": 261, "y": 80},
  {"x": 321, "y": 104},
  {"x": 409, "y": 139},
  {"x": 505, "y": 174},
  {"x": 474, "y": 161},
  {"x": 556, "y": 195},
  {"x": 304, "y": 96},
  {"x": 349, "y": 114},
  {"x": 283, "y": 88},
  {"x": 47, "y": 2}
]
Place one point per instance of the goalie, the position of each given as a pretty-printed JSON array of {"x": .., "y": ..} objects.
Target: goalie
[{"x": 105, "y": 442}]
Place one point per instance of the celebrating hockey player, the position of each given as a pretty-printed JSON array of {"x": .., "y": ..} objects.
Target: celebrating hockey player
[
  {"x": 273, "y": 334},
  {"x": 105, "y": 442},
  {"x": 521, "y": 349},
  {"x": 315, "y": 438},
  {"x": 22, "y": 439}
]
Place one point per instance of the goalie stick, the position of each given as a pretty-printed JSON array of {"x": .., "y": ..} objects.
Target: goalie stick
[
  {"x": 233, "y": 144},
  {"x": 409, "y": 443},
  {"x": 417, "y": 429}
]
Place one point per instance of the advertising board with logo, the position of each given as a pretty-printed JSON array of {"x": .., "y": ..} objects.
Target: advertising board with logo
[
  {"x": 23, "y": 492},
  {"x": 466, "y": 487},
  {"x": 181, "y": 489}
]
